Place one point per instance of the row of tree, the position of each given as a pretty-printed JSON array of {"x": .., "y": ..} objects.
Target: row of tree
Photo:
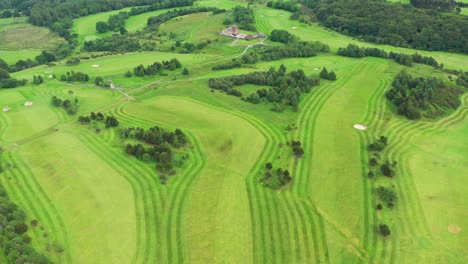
[
  {"x": 355, "y": 51},
  {"x": 286, "y": 88},
  {"x": 156, "y": 136},
  {"x": 70, "y": 105},
  {"x": 395, "y": 24},
  {"x": 300, "y": 49},
  {"x": 417, "y": 97},
  {"x": 72, "y": 76},
  {"x": 325, "y": 74},
  {"x": 109, "y": 121}
]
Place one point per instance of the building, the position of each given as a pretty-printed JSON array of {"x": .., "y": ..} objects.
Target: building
[{"x": 233, "y": 31}]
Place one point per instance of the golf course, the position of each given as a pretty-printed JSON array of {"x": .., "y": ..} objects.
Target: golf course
[{"x": 141, "y": 132}]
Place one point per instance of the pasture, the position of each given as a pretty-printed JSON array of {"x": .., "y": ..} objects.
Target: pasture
[{"x": 102, "y": 205}]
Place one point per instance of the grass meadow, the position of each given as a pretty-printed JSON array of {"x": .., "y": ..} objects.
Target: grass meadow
[{"x": 103, "y": 206}]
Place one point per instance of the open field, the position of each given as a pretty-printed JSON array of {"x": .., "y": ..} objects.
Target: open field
[{"x": 104, "y": 206}]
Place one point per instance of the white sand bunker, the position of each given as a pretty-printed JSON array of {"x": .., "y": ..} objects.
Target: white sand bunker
[
  {"x": 96, "y": 65},
  {"x": 28, "y": 103},
  {"x": 454, "y": 229},
  {"x": 360, "y": 127},
  {"x": 294, "y": 27},
  {"x": 316, "y": 69},
  {"x": 6, "y": 108}
]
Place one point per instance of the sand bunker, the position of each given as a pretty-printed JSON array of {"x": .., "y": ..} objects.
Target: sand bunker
[
  {"x": 96, "y": 65},
  {"x": 454, "y": 229},
  {"x": 294, "y": 27},
  {"x": 316, "y": 69},
  {"x": 6, "y": 108},
  {"x": 28, "y": 103},
  {"x": 360, "y": 127}
]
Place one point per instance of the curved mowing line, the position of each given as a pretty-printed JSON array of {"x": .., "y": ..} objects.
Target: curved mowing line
[
  {"x": 34, "y": 198},
  {"x": 307, "y": 118},
  {"x": 179, "y": 201},
  {"x": 139, "y": 186}
]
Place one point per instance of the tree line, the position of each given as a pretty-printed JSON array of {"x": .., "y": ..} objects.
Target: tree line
[
  {"x": 355, "y": 51},
  {"x": 72, "y": 76},
  {"x": 386, "y": 195},
  {"x": 157, "y": 67},
  {"x": 7, "y": 82},
  {"x": 422, "y": 97},
  {"x": 299, "y": 49},
  {"x": 286, "y": 88},
  {"x": 109, "y": 121},
  {"x": 243, "y": 17},
  {"x": 395, "y": 24}
]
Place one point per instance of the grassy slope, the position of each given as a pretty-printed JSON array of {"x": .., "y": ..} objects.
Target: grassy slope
[
  {"x": 326, "y": 215},
  {"x": 20, "y": 40}
]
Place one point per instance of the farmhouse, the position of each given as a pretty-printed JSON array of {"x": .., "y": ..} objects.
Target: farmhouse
[{"x": 233, "y": 31}]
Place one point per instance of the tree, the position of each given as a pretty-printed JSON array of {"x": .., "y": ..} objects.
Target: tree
[
  {"x": 122, "y": 30},
  {"x": 21, "y": 228},
  {"x": 4, "y": 74},
  {"x": 332, "y": 76},
  {"x": 102, "y": 27},
  {"x": 185, "y": 71},
  {"x": 128, "y": 74},
  {"x": 268, "y": 166},
  {"x": 387, "y": 170},
  {"x": 384, "y": 230},
  {"x": 324, "y": 73}
]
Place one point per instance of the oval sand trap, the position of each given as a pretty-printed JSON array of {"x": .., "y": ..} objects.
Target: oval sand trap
[
  {"x": 454, "y": 229},
  {"x": 28, "y": 103},
  {"x": 294, "y": 27},
  {"x": 360, "y": 127},
  {"x": 6, "y": 108},
  {"x": 96, "y": 65}
]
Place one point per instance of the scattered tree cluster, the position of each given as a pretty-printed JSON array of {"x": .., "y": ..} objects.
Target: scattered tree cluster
[
  {"x": 290, "y": 6},
  {"x": 14, "y": 239},
  {"x": 73, "y": 61},
  {"x": 387, "y": 195},
  {"x": 355, "y": 51},
  {"x": 99, "y": 81},
  {"x": 73, "y": 76},
  {"x": 243, "y": 17},
  {"x": 325, "y": 74},
  {"x": 161, "y": 141},
  {"x": 286, "y": 88},
  {"x": 387, "y": 169},
  {"x": 275, "y": 179},
  {"x": 99, "y": 118},
  {"x": 281, "y": 35},
  {"x": 300, "y": 49},
  {"x": 157, "y": 67},
  {"x": 37, "y": 79},
  {"x": 70, "y": 105},
  {"x": 396, "y": 24},
  {"x": 417, "y": 97},
  {"x": 297, "y": 148}
]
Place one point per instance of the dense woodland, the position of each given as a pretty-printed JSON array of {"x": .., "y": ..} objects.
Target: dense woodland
[
  {"x": 394, "y": 23},
  {"x": 416, "y": 97},
  {"x": 286, "y": 88}
]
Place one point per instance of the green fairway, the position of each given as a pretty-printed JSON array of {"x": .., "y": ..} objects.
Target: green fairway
[{"x": 96, "y": 201}]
